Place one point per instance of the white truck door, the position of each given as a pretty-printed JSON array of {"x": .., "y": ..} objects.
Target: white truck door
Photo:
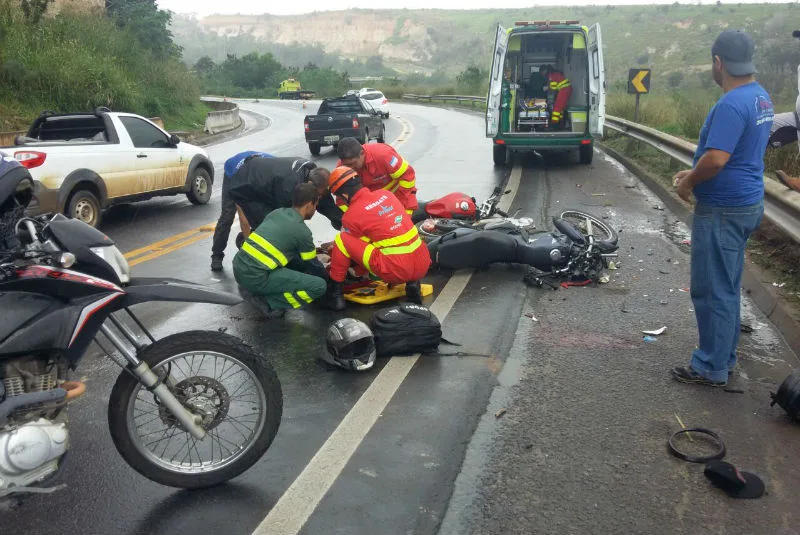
[
  {"x": 496, "y": 83},
  {"x": 597, "y": 82},
  {"x": 161, "y": 164}
]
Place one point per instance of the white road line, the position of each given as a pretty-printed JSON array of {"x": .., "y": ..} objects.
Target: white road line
[{"x": 298, "y": 503}]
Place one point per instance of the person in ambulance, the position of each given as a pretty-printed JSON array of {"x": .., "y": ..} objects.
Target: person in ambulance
[
  {"x": 377, "y": 236},
  {"x": 559, "y": 90},
  {"x": 380, "y": 168}
]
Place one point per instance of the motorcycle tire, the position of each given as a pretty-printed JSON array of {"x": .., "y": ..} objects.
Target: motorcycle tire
[
  {"x": 578, "y": 219},
  {"x": 161, "y": 356}
]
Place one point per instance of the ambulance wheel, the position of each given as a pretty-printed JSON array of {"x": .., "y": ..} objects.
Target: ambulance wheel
[
  {"x": 586, "y": 153},
  {"x": 499, "y": 154}
]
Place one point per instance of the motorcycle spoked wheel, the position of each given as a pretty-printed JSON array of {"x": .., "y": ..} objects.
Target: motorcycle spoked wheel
[
  {"x": 233, "y": 388},
  {"x": 600, "y": 229}
]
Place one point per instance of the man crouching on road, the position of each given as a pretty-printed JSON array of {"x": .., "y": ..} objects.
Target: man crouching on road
[
  {"x": 274, "y": 264},
  {"x": 377, "y": 235},
  {"x": 727, "y": 180}
]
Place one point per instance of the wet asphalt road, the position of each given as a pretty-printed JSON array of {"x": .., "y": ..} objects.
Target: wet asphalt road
[{"x": 581, "y": 448}]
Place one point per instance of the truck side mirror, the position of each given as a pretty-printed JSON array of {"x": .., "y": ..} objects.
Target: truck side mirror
[{"x": 174, "y": 140}]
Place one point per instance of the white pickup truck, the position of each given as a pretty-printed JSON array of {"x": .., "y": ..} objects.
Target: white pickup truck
[{"x": 84, "y": 162}]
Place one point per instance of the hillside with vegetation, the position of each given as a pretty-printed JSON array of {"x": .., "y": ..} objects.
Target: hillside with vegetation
[
  {"x": 122, "y": 57},
  {"x": 674, "y": 40}
]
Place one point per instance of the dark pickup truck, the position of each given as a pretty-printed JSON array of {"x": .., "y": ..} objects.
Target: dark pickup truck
[{"x": 342, "y": 117}]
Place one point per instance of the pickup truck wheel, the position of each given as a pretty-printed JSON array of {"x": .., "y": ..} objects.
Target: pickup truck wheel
[
  {"x": 199, "y": 187},
  {"x": 313, "y": 148},
  {"x": 84, "y": 206},
  {"x": 382, "y": 137}
]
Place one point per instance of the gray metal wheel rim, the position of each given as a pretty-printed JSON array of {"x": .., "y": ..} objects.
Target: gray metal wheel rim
[{"x": 204, "y": 468}]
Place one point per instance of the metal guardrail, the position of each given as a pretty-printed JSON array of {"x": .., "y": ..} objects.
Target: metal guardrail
[
  {"x": 445, "y": 98},
  {"x": 781, "y": 205}
]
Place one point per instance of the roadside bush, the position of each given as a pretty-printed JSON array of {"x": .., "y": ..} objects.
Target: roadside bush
[{"x": 74, "y": 62}]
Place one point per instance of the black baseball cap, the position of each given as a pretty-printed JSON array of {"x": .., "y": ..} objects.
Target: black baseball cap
[
  {"x": 736, "y": 49},
  {"x": 737, "y": 484}
]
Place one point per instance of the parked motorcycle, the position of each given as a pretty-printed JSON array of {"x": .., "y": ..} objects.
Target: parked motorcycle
[
  {"x": 191, "y": 410},
  {"x": 580, "y": 250},
  {"x": 458, "y": 210}
]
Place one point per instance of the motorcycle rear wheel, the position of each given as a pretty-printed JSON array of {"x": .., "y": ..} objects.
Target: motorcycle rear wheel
[
  {"x": 600, "y": 229},
  {"x": 200, "y": 368}
]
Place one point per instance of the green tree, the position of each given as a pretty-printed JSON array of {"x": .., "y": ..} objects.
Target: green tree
[
  {"x": 149, "y": 24},
  {"x": 204, "y": 66},
  {"x": 472, "y": 79},
  {"x": 34, "y": 10},
  {"x": 674, "y": 79}
]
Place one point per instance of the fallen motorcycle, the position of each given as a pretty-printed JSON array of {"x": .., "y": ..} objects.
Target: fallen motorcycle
[
  {"x": 579, "y": 251},
  {"x": 457, "y": 210},
  {"x": 191, "y": 410}
]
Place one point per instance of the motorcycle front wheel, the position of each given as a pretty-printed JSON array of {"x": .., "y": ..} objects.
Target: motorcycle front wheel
[
  {"x": 217, "y": 376},
  {"x": 600, "y": 229}
]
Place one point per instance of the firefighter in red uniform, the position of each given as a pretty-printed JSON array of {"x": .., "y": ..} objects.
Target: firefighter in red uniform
[
  {"x": 559, "y": 85},
  {"x": 380, "y": 167},
  {"x": 377, "y": 235}
]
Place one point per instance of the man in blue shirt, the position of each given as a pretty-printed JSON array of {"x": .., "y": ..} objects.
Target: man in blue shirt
[
  {"x": 223, "y": 229},
  {"x": 728, "y": 182}
]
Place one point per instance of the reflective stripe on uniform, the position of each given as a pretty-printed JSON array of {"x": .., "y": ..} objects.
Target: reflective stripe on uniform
[
  {"x": 397, "y": 240},
  {"x": 310, "y": 255},
  {"x": 343, "y": 207},
  {"x": 563, "y": 84},
  {"x": 291, "y": 300},
  {"x": 409, "y": 212},
  {"x": 258, "y": 255},
  {"x": 340, "y": 245},
  {"x": 365, "y": 257},
  {"x": 391, "y": 186},
  {"x": 408, "y": 183},
  {"x": 302, "y": 294},
  {"x": 400, "y": 170},
  {"x": 268, "y": 247},
  {"x": 403, "y": 249}
]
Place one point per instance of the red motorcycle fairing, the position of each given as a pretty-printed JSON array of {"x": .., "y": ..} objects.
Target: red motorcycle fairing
[{"x": 453, "y": 206}]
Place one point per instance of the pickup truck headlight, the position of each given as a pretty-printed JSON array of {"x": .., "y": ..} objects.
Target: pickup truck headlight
[{"x": 114, "y": 258}]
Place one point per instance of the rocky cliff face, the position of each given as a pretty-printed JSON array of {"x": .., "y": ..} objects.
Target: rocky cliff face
[{"x": 350, "y": 35}]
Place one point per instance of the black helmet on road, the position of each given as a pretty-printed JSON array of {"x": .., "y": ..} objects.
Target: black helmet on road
[{"x": 349, "y": 344}]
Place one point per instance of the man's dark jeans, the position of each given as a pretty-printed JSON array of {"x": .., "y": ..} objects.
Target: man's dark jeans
[
  {"x": 719, "y": 236},
  {"x": 223, "y": 229}
]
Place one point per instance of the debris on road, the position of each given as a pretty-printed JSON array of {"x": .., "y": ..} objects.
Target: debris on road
[
  {"x": 745, "y": 328},
  {"x": 598, "y": 194},
  {"x": 658, "y": 207},
  {"x": 531, "y": 316},
  {"x": 779, "y": 285},
  {"x": 684, "y": 290},
  {"x": 499, "y": 413},
  {"x": 656, "y": 332},
  {"x": 604, "y": 279},
  {"x": 649, "y": 339},
  {"x": 664, "y": 302},
  {"x": 612, "y": 265},
  {"x": 663, "y": 271}
]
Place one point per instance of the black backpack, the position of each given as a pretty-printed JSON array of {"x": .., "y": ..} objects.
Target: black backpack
[{"x": 405, "y": 329}]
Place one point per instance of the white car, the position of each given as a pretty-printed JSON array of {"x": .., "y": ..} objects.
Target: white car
[
  {"x": 377, "y": 99},
  {"x": 351, "y": 92},
  {"x": 82, "y": 163}
]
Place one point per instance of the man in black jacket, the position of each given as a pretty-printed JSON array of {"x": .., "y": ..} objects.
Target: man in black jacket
[{"x": 262, "y": 185}]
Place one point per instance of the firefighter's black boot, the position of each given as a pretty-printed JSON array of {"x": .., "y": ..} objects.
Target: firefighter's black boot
[
  {"x": 414, "y": 292},
  {"x": 336, "y": 296}
]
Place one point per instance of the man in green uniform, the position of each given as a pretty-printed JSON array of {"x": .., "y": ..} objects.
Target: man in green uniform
[{"x": 274, "y": 267}]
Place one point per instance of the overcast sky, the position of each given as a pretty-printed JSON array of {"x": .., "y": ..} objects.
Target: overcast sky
[{"x": 276, "y": 7}]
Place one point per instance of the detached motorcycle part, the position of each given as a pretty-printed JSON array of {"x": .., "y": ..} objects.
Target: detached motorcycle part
[
  {"x": 719, "y": 454},
  {"x": 199, "y": 370},
  {"x": 788, "y": 395}
]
